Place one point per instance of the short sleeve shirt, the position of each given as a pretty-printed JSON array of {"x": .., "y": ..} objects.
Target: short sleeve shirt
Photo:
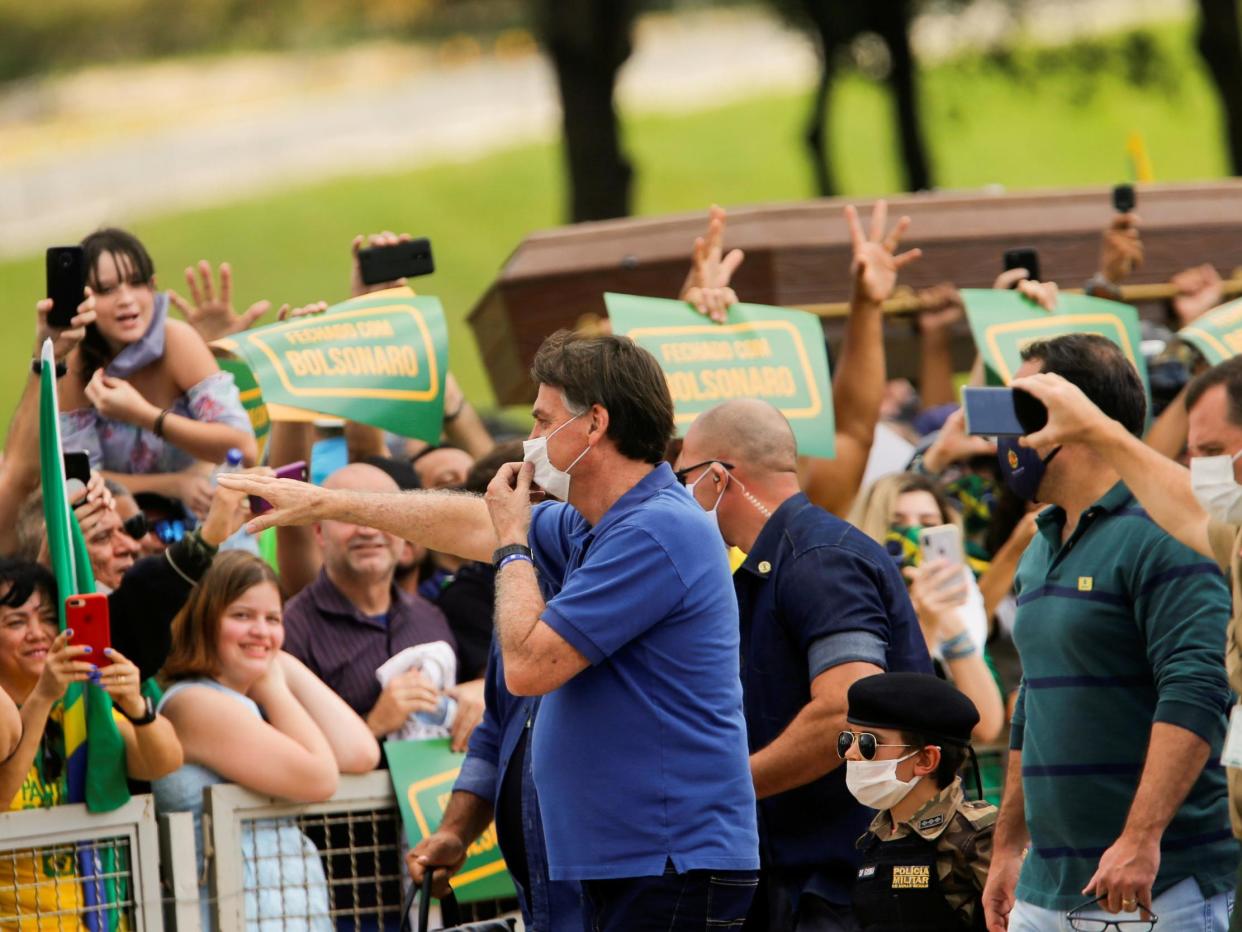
[{"x": 641, "y": 759}]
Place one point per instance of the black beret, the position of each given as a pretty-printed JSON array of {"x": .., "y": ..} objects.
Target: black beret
[{"x": 915, "y": 702}]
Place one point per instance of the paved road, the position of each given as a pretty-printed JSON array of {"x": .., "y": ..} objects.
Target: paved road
[{"x": 112, "y": 145}]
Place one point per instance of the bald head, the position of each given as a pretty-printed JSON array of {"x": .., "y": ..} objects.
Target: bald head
[
  {"x": 746, "y": 432},
  {"x": 361, "y": 477}
]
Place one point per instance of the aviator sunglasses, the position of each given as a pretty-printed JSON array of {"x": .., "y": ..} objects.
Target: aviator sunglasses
[{"x": 867, "y": 744}]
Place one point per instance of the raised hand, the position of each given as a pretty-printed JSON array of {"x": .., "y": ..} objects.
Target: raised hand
[
  {"x": 210, "y": 311},
  {"x": 122, "y": 681},
  {"x": 64, "y": 341},
  {"x": 1121, "y": 250},
  {"x": 1072, "y": 416},
  {"x": 1199, "y": 289},
  {"x": 954, "y": 445},
  {"x": 941, "y": 307},
  {"x": 875, "y": 263},
  {"x": 65, "y": 664},
  {"x": 357, "y": 286},
  {"x": 1044, "y": 294},
  {"x": 707, "y": 284}
]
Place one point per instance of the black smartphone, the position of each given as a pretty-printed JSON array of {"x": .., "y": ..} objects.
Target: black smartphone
[
  {"x": 1002, "y": 412},
  {"x": 77, "y": 473},
  {"x": 66, "y": 281},
  {"x": 1024, "y": 257},
  {"x": 400, "y": 260},
  {"x": 1124, "y": 198}
]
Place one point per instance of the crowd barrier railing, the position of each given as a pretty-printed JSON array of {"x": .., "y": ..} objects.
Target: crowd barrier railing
[{"x": 67, "y": 869}]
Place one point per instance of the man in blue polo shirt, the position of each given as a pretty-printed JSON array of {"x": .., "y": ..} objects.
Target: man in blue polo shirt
[
  {"x": 609, "y": 604},
  {"x": 822, "y": 605}
]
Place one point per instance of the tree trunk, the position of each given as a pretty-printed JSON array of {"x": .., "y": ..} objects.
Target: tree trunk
[
  {"x": 1220, "y": 44},
  {"x": 895, "y": 18},
  {"x": 588, "y": 41},
  {"x": 817, "y": 125}
]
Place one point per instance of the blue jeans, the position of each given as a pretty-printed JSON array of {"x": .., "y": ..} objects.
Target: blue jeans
[
  {"x": 695, "y": 900},
  {"x": 1181, "y": 908}
]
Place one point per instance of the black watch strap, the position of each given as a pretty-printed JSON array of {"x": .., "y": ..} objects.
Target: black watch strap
[
  {"x": 146, "y": 718},
  {"x": 62, "y": 367},
  {"x": 509, "y": 550}
]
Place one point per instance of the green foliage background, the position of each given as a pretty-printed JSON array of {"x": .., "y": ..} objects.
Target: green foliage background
[{"x": 1036, "y": 117}]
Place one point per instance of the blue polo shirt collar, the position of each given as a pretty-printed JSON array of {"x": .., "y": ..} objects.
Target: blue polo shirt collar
[
  {"x": 765, "y": 553},
  {"x": 655, "y": 481}
]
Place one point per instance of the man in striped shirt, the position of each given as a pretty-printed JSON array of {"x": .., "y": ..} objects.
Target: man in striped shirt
[{"x": 1113, "y": 778}]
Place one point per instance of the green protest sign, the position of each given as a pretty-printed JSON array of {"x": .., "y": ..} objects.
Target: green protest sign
[
  {"x": 379, "y": 359},
  {"x": 770, "y": 353},
  {"x": 423, "y": 773},
  {"x": 1217, "y": 334},
  {"x": 1004, "y": 323},
  {"x": 251, "y": 398}
]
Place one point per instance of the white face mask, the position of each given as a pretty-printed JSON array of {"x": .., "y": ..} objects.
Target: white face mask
[
  {"x": 874, "y": 783},
  {"x": 552, "y": 480},
  {"x": 1211, "y": 478},
  {"x": 711, "y": 511}
]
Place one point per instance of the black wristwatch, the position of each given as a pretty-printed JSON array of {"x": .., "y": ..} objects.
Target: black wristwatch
[
  {"x": 62, "y": 367},
  {"x": 510, "y": 550},
  {"x": 146, "y": 718}
]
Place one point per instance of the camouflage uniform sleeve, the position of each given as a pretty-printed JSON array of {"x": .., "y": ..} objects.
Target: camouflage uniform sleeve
[{"x": 965, "y": 854}]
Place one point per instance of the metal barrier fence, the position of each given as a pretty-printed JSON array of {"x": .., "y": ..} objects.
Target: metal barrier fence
[{"x": 46, "y": 853}]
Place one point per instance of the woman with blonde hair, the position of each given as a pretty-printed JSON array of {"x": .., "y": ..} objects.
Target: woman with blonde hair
[
  {"x": 250, "y": 714},
  {"x": 894, "y": 511}
]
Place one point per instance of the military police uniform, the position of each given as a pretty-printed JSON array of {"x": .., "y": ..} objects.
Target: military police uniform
[{"x": 926, "y": 873}]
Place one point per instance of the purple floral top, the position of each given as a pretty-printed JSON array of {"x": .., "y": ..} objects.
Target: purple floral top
[{"x": 118, "y": 447}]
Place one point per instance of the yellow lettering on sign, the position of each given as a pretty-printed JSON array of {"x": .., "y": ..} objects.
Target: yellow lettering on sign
[
  {"x": 354, "y": 361},
  {"x": 913, "y": 877},
  {"x": 737, "y": 382},
  {"x": 753, "y": 349},
  {"x": 484, "y": 843},
  {"x": 698, "y": 351}
]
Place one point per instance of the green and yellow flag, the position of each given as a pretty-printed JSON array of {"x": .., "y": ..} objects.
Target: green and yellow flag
[{"x": 94, "y": 750}]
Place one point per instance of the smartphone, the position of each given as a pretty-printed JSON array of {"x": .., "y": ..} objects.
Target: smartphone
[
  {"x": 1024, "y": 257},
  {"x": 401, "y": 260},
  {"x": 296, "y": 470},
  {"x": 77, "y": 473},
  {"x": 66, "y": 281},
  {"x": 87, "y": 615},
  {"x": 1002, "y": 412},
  {"x": 942, "y": 543},
  {"x": 1124, "y": 198}
]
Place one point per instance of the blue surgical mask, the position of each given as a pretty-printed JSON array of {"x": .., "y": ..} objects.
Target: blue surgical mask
[{"x": 1021, "y": 467}]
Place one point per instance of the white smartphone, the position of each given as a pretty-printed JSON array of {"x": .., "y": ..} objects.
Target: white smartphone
[{"x": 942, "y": 543}]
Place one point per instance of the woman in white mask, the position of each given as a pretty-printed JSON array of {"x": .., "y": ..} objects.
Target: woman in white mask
[{"x": 926, "y": 855}]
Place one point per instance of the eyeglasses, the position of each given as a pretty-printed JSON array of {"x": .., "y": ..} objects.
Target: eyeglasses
[
  {"x": 683, "y": 474},
  {"x": 1092, "y": 924},
  {"x": 867, "y": 744}
]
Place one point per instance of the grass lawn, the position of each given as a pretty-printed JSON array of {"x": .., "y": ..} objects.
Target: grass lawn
[{"x": 1039, "y": 129}]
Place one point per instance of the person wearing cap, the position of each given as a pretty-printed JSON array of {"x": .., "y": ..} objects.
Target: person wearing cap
[{"x": 925, "y": 857}]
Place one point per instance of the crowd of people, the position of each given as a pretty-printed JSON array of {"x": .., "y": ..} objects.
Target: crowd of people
[{"x": 698, "y": 682}]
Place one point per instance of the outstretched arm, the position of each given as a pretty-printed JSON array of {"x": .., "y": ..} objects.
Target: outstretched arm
[
  {"x": 1161, "y": 485},
  {"x": 858, "y": 385},
  {"x": 451, "y": 522}
]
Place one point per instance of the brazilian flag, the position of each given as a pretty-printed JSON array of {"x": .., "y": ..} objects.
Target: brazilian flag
[{"x": 94, "y": 750}]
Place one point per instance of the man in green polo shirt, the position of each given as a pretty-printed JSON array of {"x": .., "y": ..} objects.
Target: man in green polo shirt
[{"x": 1124, "y": 694}]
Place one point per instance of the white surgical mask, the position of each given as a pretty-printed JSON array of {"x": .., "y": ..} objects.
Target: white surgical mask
[
  {"x": 711, "y": 511},
  {"x": 1211, "y": 478},
  {"x": 552, "y": 480},
  {"x": 874, "y": 783}
]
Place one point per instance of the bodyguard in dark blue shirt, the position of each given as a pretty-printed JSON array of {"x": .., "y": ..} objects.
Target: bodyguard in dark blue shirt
[{"x": 821, "y": 606}]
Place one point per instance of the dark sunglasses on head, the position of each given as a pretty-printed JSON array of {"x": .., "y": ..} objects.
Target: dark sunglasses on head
[
  {"x": 867, "y": 744},
  {"x": 683, "y": 474},
  {"x": 136, "y": 526},
  {"x": 1081, "y": 923}
]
